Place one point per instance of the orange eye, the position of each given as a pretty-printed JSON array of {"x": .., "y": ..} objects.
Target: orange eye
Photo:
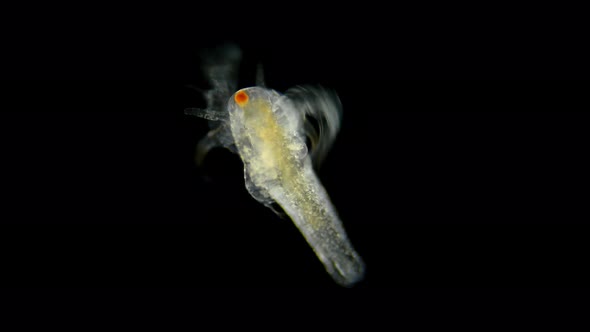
[{"x": 241, "y": 98}]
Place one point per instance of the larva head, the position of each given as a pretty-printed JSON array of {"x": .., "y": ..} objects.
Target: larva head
[{"x": 251, "y": 100}]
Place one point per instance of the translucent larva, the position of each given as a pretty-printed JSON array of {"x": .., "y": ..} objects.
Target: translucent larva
[{"x": 268, "y": 130}]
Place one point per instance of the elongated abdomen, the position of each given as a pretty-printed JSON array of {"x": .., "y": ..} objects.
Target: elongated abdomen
[
  {"x": 279, "y": 169},
  {"x": 305, "y": 200}
]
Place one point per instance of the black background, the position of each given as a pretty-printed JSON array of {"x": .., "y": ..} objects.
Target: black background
[{"x": 439, "y": 181}]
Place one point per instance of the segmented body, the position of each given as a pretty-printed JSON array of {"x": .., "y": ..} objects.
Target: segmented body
[{"x": 268, "y": 130}]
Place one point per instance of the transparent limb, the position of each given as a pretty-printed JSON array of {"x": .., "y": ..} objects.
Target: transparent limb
[
  {"x": 324, "y": 106},
  {"x": 220, "y": 67},
  {"x": 260, "y": 76},
  {"x": 218, "y": 137},
  {"x": 205, "y": 113},
  {"x": 262, "y": 195}
]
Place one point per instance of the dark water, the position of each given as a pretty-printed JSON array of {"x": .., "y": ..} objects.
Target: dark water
[{"x": 439, "y": 183}]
